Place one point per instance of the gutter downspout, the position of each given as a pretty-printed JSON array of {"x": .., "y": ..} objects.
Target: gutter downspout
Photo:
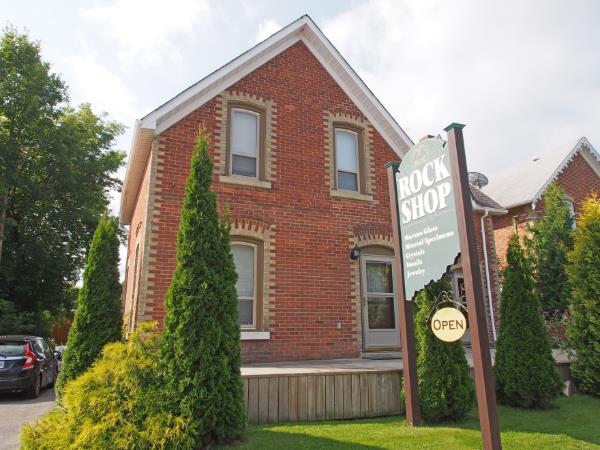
[{"x": 487, "y": 272}]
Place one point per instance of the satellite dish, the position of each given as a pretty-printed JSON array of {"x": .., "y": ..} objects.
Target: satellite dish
[{"x": 477, "y": 179}]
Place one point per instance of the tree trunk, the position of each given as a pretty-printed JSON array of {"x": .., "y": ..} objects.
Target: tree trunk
[{"x": 3, "y": 206}]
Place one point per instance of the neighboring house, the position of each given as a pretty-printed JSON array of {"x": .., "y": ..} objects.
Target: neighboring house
[
  {"x": 575, "y": 167},
  {"x": 299, "y": 145}
]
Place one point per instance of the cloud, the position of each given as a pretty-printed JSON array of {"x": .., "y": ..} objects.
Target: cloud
[
  {"x": 266, "y": 28},
  {"x": 96, "y": 84},
  {"x": 523, "y": 79},
  {"x": 145, "y": 29}
]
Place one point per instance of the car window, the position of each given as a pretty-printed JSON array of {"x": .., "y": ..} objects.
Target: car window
[
  {"x": 12, "y": 348},
  {"x": 47, "y": 348},
  {"x": 39, "y": 348}
]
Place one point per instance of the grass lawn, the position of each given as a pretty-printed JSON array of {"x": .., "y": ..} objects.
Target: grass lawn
[{"x": 573, "y": 424}]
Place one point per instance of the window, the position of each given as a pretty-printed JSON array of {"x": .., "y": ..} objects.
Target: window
[
  {"x": 347, "y": 161},
  {"x": 245, "y": 140},
  {"x": 245, "y": 256},
  {"x": 571, "y": 206}
]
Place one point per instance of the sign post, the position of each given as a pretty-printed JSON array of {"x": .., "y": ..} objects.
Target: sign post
[
  {"x": 407, "y": 332},
  {"x": 484, "y": 377}
]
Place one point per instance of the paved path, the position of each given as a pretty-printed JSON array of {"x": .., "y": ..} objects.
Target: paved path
[{"x": 16, "y": 411}]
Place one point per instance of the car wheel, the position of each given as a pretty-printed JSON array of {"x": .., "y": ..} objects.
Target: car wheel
[
  {"x": 34, "y": 390},
  {"x": 53, "y": 382}
]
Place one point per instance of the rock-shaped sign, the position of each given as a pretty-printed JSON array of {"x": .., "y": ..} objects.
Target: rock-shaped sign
[{"x": 427, "y": 214}]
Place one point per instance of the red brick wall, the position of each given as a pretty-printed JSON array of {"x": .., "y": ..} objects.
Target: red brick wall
[{"x": 313, "y": 274}]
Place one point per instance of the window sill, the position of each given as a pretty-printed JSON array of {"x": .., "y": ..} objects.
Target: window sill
[
  {"x": 352, "y": 195},
  {"x": 245, "y": 181},
  {"x": 256, "y": 335}
]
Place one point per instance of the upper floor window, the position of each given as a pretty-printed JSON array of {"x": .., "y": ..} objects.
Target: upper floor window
[
  {"x": 347, "y": 159},
  {"x": 245, "y": 256},
  {"x": 571, "y": 206},
  {"x": 245, "y": 142}
]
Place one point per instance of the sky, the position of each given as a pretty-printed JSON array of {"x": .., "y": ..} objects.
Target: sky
[{"x": 523, "y": 75}]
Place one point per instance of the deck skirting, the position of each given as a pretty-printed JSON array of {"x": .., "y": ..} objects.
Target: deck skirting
[{"x": 322, "y": 396}]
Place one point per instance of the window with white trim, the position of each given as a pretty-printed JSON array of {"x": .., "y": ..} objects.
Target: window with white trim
[
  {"x": 347, "y": 160},
  {"x": 245, "y": 259},
  {"x": 244, "y": 143}
]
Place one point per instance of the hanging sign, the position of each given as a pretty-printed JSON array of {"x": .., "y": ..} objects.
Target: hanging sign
[
  {"x": 448, "y": 324},
  {"x": 427, "y": 214}
]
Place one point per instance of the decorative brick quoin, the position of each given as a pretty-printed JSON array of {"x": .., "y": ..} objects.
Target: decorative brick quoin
[{"x": 299, "y": 145}]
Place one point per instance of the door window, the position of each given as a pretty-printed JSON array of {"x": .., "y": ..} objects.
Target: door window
[{"x": 380, "y": 295}]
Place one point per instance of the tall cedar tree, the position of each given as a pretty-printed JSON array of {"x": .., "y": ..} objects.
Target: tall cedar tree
[
  {"x": 525, "y": 370},
  {"x": 98, "y": 319},
  {"x": 550, "y": 242},
  {"x": 200, "y": 350},
  {"x": 445, "y": 387},
  {"x": 584, "y": 276}
]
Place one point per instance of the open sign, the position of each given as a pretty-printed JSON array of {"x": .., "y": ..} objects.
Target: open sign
[{"x": 449, "y": 324}]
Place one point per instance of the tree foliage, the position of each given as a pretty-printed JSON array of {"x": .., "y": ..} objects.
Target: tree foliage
[
  {"x": 445, "y": 388},
  {"x": 201, "y": 340},
  {"x": 113, "y": 405},
  {"x": 584, "y": 277},
  {"x": 98, "y": 319},
  {"x": 56, "y": 169},
  {"x": 550, "y": 242},
  {"x": 526, "y": 374}
]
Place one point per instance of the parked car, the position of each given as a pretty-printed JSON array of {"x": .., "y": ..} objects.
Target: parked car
[
  {"x": 59, "y": 351},
  {"x": 27, "y": 363}
]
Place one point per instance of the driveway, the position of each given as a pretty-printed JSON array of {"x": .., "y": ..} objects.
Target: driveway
[{"x": 16, "y": 411}]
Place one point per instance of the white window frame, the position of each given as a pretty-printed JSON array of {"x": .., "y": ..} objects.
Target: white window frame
[
  {"x": 357, "y": 156},
  {"x": 231, "y": 151},
  {"x": 385, "y": 260},
  {"x": 254, "y": 286}
]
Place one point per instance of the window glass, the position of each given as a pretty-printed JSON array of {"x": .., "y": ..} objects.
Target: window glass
[
  {"x": 12, "y": 348},
  {"x": 243, "y": 165},
  {"x": 244, "y": 133},
  {"x": 346, "y": 145},
  {"x": 347, "y": 181},
  {"x": 379, "y": 277},
  {"x": 246, "y": 308},
  {"x": 571, "y": 207},
  {"x": 243, "y": 257}
]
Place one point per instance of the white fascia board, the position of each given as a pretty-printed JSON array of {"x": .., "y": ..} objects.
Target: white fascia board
[{"x": 563, "y": 165}]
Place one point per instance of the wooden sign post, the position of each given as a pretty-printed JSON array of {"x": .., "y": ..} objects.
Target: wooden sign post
[{"x": 484, "y": 377}]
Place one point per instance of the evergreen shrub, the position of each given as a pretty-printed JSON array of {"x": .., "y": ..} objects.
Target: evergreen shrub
[
  {"x": 115, "y": 404},
  {"x": 200, "y": 351},
  {"x": 584, "y": 276},
  {"x": 446, "y": 390},
  {"x": 525, "y": 371},
  {"x": 98, "y": 318}
]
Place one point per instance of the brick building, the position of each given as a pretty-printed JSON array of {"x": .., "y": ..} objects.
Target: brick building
[
  {"x": 299, "y": 145},
  {"x": 575, "y": 167}
]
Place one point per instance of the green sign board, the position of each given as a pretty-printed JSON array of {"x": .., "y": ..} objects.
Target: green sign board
[{"x": 427, "y": 214}]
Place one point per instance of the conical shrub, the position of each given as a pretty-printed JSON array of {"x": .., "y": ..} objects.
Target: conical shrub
[
  {"x": 526, "y": 374},
  {"x": 200, "y": 350}
]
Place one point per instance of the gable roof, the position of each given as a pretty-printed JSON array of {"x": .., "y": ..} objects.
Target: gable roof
[
  {"x": 303, "y": 29},
  {"x": 482, "y": 201},
  {"x": 527, "y": 181}
]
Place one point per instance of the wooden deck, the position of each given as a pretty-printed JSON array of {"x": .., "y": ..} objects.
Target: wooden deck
[{"x": 297, "y": 391}]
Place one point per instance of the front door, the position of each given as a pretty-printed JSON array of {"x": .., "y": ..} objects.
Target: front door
[{"x": 380, "y": 316}]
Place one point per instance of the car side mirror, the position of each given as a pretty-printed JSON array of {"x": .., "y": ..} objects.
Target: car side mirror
[{"x": 58, "y": 355}]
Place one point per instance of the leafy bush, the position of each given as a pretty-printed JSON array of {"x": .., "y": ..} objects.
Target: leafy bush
[
  {"x": 584, "y": 276},
  {"x": 115, "y": 404},
  {"x": 525, "y": 370},
  {"x": 551, "y": 240},
  {"x": 98, "y": 317},
  {"x": 13, "y": 321},
  {"x": 201, "y": 342},
  {"x": 445, "y": 388}
]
